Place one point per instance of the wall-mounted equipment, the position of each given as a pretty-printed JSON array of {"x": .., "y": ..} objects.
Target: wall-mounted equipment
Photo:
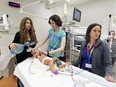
[
  {"x": 76, "y": 15},
  {"x": 14, "y": 4},
  {"x": 54, "y": 3},
  {"x": 4, "y": 22},
  {"x": 31, "y": 14}
]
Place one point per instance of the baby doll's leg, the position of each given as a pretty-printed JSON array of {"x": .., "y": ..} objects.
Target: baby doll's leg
[
  {"x": 62, "y": 65},
  {"x": 51, "y": 64},
  {"x": 59, "y": 63}
]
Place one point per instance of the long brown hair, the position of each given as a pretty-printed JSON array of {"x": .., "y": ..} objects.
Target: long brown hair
[{"x": 23, "y": 31}]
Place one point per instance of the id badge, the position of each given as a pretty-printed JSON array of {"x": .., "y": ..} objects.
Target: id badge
[{"x": 87, "y": 65}]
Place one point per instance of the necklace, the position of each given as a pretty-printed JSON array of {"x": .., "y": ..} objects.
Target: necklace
[
  {"x": 54, "y": 38},
  {"x": 89, "y": 46}
]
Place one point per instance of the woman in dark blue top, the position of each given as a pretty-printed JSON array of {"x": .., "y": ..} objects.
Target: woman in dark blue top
[{"x": 95, "y": 54}]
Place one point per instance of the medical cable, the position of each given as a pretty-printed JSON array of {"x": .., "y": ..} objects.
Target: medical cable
[
  {"x": 29, "y": 70},
  {"x": 33, "y": 59},
  {"x": 80, "y": 83}
]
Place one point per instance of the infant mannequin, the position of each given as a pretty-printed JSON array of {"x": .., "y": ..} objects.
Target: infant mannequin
[{"x": 48, "y": 61}]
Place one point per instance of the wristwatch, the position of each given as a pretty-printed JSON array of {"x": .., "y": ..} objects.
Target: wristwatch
[{"x": 47, "y": 53}]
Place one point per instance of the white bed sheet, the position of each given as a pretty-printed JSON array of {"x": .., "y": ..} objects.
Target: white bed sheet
[{"x": 32, "y": 73}]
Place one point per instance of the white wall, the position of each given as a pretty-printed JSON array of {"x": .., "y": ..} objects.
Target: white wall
[
  {"x": 38, "y": 10},
  {"x": 97, "y": 11},
  {"x": 14, "y": 19},
  {"x": 93, "y": 11}
]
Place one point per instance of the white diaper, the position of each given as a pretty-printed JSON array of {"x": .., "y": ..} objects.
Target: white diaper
[{"x": 46, "y": 58}]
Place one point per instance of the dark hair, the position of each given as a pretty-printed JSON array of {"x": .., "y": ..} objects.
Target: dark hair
[
  {"x": 90, "y": 27},
  {"x": 112, "y": 31},
  {"x": 56, "y": 19}
]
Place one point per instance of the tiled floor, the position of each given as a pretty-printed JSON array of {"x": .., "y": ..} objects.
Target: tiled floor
[{"x": 8, "y": 82}]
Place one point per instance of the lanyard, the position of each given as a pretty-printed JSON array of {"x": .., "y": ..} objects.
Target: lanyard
[{"x": 90, "y": 54}]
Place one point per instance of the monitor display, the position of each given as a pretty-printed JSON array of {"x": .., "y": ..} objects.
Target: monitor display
[{"x": 76, "y": 15}]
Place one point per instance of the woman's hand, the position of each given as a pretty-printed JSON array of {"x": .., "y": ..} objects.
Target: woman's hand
[
  {"x": 13, "y": 46},
  {"x": 33, "y": 51},
  {"x": 110, "y": 79}
]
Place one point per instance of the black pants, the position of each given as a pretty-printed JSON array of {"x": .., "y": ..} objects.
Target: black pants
[
  {"x": 19, "y": 83},
  {"x": 113, "y": 60}
]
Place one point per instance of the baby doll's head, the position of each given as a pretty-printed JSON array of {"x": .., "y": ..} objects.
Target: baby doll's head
[{"x": 36, "y": 54}]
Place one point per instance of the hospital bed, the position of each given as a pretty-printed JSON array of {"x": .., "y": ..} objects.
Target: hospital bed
[{"x": 32, "y": 73}]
